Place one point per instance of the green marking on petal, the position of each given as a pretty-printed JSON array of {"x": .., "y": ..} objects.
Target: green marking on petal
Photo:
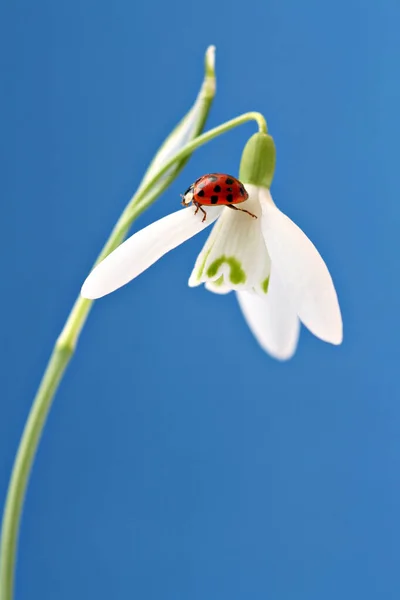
[
  {"x": 264, "y": 285},
  {"x": 236, "y": 276},
  {"x": 219, "y": 282}
]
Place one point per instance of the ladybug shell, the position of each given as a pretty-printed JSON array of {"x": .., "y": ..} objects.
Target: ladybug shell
[{"x": 218, "y": 188}]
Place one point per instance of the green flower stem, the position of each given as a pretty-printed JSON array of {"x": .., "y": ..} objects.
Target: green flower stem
[
  {"x": 189, "y": 148},
  {"x": 64, "y": 349}
]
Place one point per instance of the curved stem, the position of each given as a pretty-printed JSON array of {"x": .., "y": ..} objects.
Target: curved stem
[
  {"x": 200, "y": 141},
  {"x": 63, "y": 351},
  {"x": 23, "y": 464}
]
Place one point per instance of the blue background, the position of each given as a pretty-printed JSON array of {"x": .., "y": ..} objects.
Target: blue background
[{"x": 180, "y": 461}]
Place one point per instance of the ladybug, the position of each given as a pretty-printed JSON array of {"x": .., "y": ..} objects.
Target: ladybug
[{"x": 216, "y": 189}]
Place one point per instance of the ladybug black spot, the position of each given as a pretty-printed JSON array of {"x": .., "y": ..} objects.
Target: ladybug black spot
[
  {"x": 214, "y": 199},
  {"x": 229, "y": 197},
  {"x": 217, "y": 189},
  {"x": 229, "y": 189},
  {"x": 200, "y": 193},
  {"x": 229, "y": 181}
]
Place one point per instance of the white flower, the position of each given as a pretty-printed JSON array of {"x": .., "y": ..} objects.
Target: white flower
[{"x": 278, "y": 275}]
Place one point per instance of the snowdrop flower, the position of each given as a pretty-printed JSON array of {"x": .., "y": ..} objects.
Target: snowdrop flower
[{"x": 276, "y": 272}]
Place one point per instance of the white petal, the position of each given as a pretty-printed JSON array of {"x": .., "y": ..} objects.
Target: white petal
[
  {"x": 262, "y": 284},
  {"x": 235, "y": 249},
  {"x": 302, "y": 271},
  {"x": 196, "y": 277},
  {"x": 272, "y": 319},
  {"x": 143, "y": 249}
]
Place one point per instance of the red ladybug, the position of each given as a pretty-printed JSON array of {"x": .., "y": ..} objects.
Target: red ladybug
[{"x": 215, "y": 189}]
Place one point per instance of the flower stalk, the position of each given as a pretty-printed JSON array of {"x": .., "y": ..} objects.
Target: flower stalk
[{"x": 156, "y": 180}]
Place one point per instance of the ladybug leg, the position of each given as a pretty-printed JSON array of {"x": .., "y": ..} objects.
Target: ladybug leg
[
  {"x": 199, "y": 207},
  {"x": 241, "y": 210}
]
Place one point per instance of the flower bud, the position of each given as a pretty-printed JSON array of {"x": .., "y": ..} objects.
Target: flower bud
[{"x": 257, "y": 165}]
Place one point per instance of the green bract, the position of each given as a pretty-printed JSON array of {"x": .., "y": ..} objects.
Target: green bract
[
  {"x": 257, "y": 165},
  {"x": 187, "y": 130}
]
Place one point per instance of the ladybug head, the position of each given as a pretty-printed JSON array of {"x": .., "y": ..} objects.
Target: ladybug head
[{"x": 187, "y": 197}]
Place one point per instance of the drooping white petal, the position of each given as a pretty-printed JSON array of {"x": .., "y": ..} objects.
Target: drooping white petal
[
  {"x": 272, "y": 319},
  {"x": 235, "y": 249},
  {"x": 196, "y": 277},
  {"x": 143, "y": 249},
  {"x": 302, "y": 271}
]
